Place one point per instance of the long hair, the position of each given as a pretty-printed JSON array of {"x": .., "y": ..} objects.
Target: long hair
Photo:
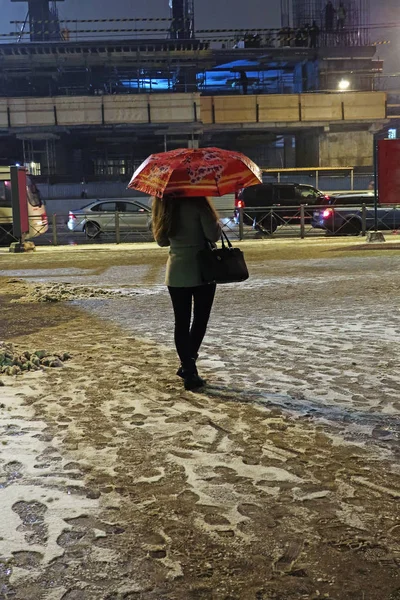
[{"x": 166, "y": 213}]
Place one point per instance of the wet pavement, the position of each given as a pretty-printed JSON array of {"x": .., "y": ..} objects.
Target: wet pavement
[{"x": 280, "y": 480}]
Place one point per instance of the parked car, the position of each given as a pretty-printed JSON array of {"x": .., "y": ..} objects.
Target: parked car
[
  {"x": 282, "y": 203},
  {"x": 99, "y": 216},
  {"x": 343, "y": 214}
]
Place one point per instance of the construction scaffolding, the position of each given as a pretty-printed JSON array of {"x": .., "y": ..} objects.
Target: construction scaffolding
[
  {"x": 39, "y": 153},
  {"x": 357, "y": 13},
  {"x": 285, "y": 13},
  {"x": 182, "y": 14},
  {"x": 43, "y": 20}
]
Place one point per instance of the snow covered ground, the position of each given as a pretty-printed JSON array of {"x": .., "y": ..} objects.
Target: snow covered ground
[{"x": 280, "y": 480}]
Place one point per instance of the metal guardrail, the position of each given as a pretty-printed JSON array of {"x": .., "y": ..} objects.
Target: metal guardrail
[
  {"x": 241, "y": 224},
  {"x": 6, "y": 234},
  {"x": 289, "y": 221},
  {"x": 297, "y": 221},
  {"x": 60, "y": 189}
]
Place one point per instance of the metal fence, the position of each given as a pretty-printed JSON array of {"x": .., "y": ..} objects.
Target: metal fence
[
  {"x": 243, "y": 223},
  {"x": 312, "y": 221},
  {"x": 323, "y": 179},
  {"x": 328, "y": 179}
]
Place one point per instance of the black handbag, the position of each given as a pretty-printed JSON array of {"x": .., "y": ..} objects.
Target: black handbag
[{"x": 222, "y": 265}]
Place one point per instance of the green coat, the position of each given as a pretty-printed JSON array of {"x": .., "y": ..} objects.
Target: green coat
[{"x": 196, "y": 225}]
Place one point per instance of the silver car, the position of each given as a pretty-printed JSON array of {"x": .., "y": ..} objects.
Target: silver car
[{"x": 105, "y": 215}]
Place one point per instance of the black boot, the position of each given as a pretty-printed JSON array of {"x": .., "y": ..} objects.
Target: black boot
[
  {"x": 180, "y": 370},
  {"x": 191, "y": 378}
]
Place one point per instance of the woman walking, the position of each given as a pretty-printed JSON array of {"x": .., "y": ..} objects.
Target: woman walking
[{"x": 185, "y": 224}]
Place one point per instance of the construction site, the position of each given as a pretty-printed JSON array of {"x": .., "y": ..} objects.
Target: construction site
[{"x": 89, "y": 100}]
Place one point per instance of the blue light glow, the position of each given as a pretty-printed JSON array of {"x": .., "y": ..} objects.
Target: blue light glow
[{"x": 148, "y": 84}]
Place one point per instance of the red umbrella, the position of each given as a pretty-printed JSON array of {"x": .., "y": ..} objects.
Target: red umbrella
[{"x": 200, "y": 172}]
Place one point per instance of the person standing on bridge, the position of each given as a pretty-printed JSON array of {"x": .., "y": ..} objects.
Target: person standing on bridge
[
  {"x": 314, "y": 35},
  {"x": 341, "y": 16},
  {"x": 244, "y": 81},
  {"x": 329, "y": 16}
]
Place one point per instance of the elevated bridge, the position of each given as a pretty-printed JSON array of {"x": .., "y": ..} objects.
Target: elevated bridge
[{"x": 326, "y": 129}]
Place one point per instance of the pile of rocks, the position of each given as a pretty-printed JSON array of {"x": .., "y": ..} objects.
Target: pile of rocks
[{"x": 14, "y": 363}]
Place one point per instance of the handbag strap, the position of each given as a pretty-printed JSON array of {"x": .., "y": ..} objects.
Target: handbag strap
[
  {"x": 213, "y": 246},
  {"x": 223, "y": 235}
]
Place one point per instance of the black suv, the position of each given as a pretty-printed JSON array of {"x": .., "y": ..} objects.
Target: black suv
[{"x": 283, "y": 198}]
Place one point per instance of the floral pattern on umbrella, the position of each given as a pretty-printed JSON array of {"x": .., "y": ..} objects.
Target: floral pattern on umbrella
[{"x": 195, "y": 172}]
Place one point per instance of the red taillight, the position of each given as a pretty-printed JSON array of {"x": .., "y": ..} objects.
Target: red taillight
[
  {"x": 71, "y": 215},
  {"x": 327, "y": 197},
  {"x": 327, "y": 213},
  {"x": 240, "y": 204}
]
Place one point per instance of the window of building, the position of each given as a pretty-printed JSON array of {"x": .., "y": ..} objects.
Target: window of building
[
  {"x": 33, "y": 168},
  {"x": 110, "y": 166}
]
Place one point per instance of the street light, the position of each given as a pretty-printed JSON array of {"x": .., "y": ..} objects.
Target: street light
[{"x": 343, "y": 85}]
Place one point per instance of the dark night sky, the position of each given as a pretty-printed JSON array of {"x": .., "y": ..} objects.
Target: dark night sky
[{"x": 209, "y": 13}]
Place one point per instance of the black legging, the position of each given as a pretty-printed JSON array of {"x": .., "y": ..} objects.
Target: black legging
[{"x": 188, "y": 338}]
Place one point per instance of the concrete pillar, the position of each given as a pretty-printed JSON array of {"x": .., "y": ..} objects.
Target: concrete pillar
[
  {"x": 193, "y": 142},
  {"x": 346, "y": 149},
  {"x": 289, "y": 157},
  {"x": 63, "y": 158},
  {"x": 307, "y": 150},
  {"x": 334, "y": 149}
]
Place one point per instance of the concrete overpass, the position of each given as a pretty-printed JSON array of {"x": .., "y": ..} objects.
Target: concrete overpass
[{"x": 330, "y": 129}]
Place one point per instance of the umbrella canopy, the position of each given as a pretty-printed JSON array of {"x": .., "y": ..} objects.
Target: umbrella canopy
[{"x": 195, "y": 172}]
